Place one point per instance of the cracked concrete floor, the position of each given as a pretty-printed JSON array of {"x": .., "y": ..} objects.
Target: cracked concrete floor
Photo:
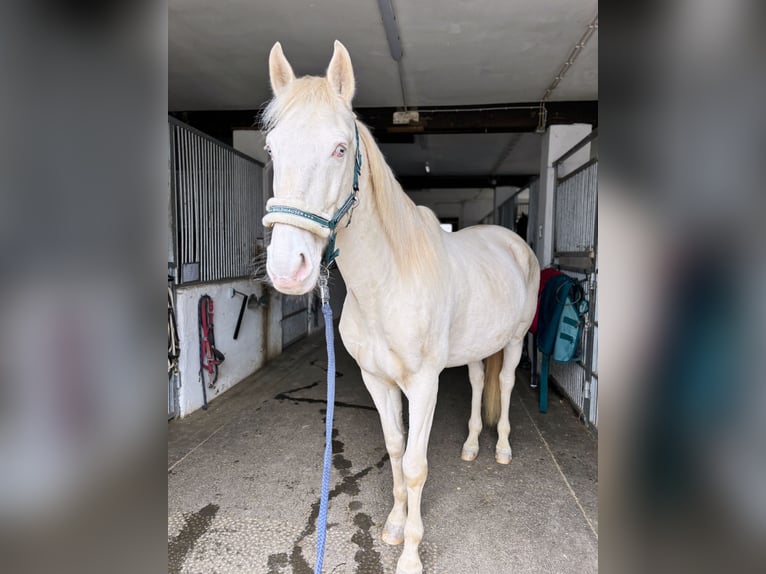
[{"x": 244, "y": 480}]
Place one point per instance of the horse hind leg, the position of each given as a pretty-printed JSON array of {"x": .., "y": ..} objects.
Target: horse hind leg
[
  {"x": 511, "y": 357},
  {"x": 471, "y": 445}
]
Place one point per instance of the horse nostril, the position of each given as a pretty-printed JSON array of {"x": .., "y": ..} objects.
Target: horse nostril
[{"x": 301, "y": 270}]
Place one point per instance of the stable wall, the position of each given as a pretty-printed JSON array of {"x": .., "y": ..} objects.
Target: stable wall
[
  {"x": 469, "y": 206},
  {"x": 260, "y": 337},
  {"x": 251, "y": 142}
]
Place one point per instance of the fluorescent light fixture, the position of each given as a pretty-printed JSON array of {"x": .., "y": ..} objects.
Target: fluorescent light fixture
[
  {"x": 392, "y": 30},
  {"x": 406, "y": 117},
  {"x": 542, "y": 118}
]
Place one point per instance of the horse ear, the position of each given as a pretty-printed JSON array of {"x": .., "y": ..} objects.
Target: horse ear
[
  {"x": 340, "y": 73},
  {"x": 280, "y": 71}
]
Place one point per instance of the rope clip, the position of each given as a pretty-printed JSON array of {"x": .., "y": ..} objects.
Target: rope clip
[{"x": 324, "y": 284}]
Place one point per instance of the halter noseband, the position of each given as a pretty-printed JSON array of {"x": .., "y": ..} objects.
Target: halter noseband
[{"x": 290, "y": 212}]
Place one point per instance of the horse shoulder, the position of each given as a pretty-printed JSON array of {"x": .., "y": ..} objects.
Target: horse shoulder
[{"x": 351, "y": 332}]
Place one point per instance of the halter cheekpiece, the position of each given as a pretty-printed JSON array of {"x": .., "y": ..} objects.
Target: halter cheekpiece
[{"x": 290, "y": 212}]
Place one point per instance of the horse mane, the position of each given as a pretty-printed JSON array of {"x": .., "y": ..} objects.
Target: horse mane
[{"x": 412, "y": 231}]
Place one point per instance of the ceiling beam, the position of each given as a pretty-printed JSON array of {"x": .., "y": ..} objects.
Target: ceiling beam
[
  {"x": 501, "y": 118},
  {"x": 504, "y": 118},
  {"x": 416, "y": 182}
]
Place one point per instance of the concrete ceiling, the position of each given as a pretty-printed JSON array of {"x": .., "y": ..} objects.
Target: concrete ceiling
[{"x": 469, "y": 52}]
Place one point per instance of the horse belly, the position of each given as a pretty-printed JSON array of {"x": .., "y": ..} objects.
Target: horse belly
[
  {"x": 486, "y": 318},
  {"x": 477, "y": 344}
]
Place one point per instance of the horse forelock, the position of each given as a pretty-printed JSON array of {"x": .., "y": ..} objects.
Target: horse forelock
[{"x": 308, "y": 92}]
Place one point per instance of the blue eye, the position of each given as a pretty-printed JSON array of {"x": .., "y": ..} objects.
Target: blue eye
[{"x": 340, "y": 151}]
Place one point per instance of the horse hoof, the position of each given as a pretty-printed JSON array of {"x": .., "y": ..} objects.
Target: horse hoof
[
  {"x": 503, "y": 456},
  {"x": 469, "y": 454},
  {"x": 411, "y": 569},
  {"x": 392, "y": 535}
]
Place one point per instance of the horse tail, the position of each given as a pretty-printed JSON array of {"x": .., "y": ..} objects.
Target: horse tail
[{"x": 491, "y": 400}]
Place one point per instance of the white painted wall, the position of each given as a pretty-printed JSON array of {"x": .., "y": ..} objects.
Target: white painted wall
[
  {"x": 260, "y": 337},
  {"x": 251, "y": 142}
]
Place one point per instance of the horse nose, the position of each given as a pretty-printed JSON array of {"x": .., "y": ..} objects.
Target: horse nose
[
  {"x": 291, "y": 267},
  {"x": 302, "y": 268}
]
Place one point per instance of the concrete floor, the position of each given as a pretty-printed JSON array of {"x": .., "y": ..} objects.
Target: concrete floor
[{"x": 244, "y": 480}]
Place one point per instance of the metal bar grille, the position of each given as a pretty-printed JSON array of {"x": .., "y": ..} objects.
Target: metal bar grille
[
  {"x": 575, "y": 212},
  {"x": 575, "y": 246},
  {"x": 534, "y": 198},
  {"x": 571, "y": 379},
  {"x": 506, "y": 211},
  {"x": 218, "y": 207},
  {"x": 593, "y": 415}
]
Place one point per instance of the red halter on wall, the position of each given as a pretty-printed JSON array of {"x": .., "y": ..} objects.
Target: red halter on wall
[{"x": 209, "y": 356}]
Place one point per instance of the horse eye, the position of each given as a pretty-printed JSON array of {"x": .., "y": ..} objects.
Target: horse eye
[
  {"x": 268, "y": 149},
  {"x": 339, "y": 151}
]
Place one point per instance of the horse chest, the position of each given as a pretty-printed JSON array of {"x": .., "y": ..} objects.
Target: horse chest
[{"x": 384, "y": 348}]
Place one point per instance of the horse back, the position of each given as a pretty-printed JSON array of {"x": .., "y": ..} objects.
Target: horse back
[{"x": 494, "y": 282}]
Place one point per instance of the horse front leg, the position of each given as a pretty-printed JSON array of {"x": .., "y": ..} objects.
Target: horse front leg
[
  {"x": 388, "y": 400},
  {"x": 421, "y": 391}
]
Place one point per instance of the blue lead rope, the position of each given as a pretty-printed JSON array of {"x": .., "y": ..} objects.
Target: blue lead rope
[
  {"x": 324, "y": 499},
  {"x": 327, "y": 259}
]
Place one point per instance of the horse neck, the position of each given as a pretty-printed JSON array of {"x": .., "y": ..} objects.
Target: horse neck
[
  {"x": 390, "y": 242},
  {"x": 365, "y": 250}
]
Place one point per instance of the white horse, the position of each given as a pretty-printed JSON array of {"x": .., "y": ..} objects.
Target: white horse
[{"x": 419, "y": 299}]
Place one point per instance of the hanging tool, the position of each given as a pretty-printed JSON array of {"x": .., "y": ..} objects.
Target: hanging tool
[
  {"x": 250, "y": 302},
  {"x": 245, "y": 298}
]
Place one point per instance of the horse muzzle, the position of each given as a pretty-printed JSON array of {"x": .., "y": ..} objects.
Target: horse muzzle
[{"x": 293, "y": 259}]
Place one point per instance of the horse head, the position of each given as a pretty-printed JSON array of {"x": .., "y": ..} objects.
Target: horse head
[{"x": 312, "y": 139}]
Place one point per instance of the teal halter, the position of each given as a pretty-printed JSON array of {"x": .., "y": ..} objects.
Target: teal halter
[{"x": 330, "y": 252}]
